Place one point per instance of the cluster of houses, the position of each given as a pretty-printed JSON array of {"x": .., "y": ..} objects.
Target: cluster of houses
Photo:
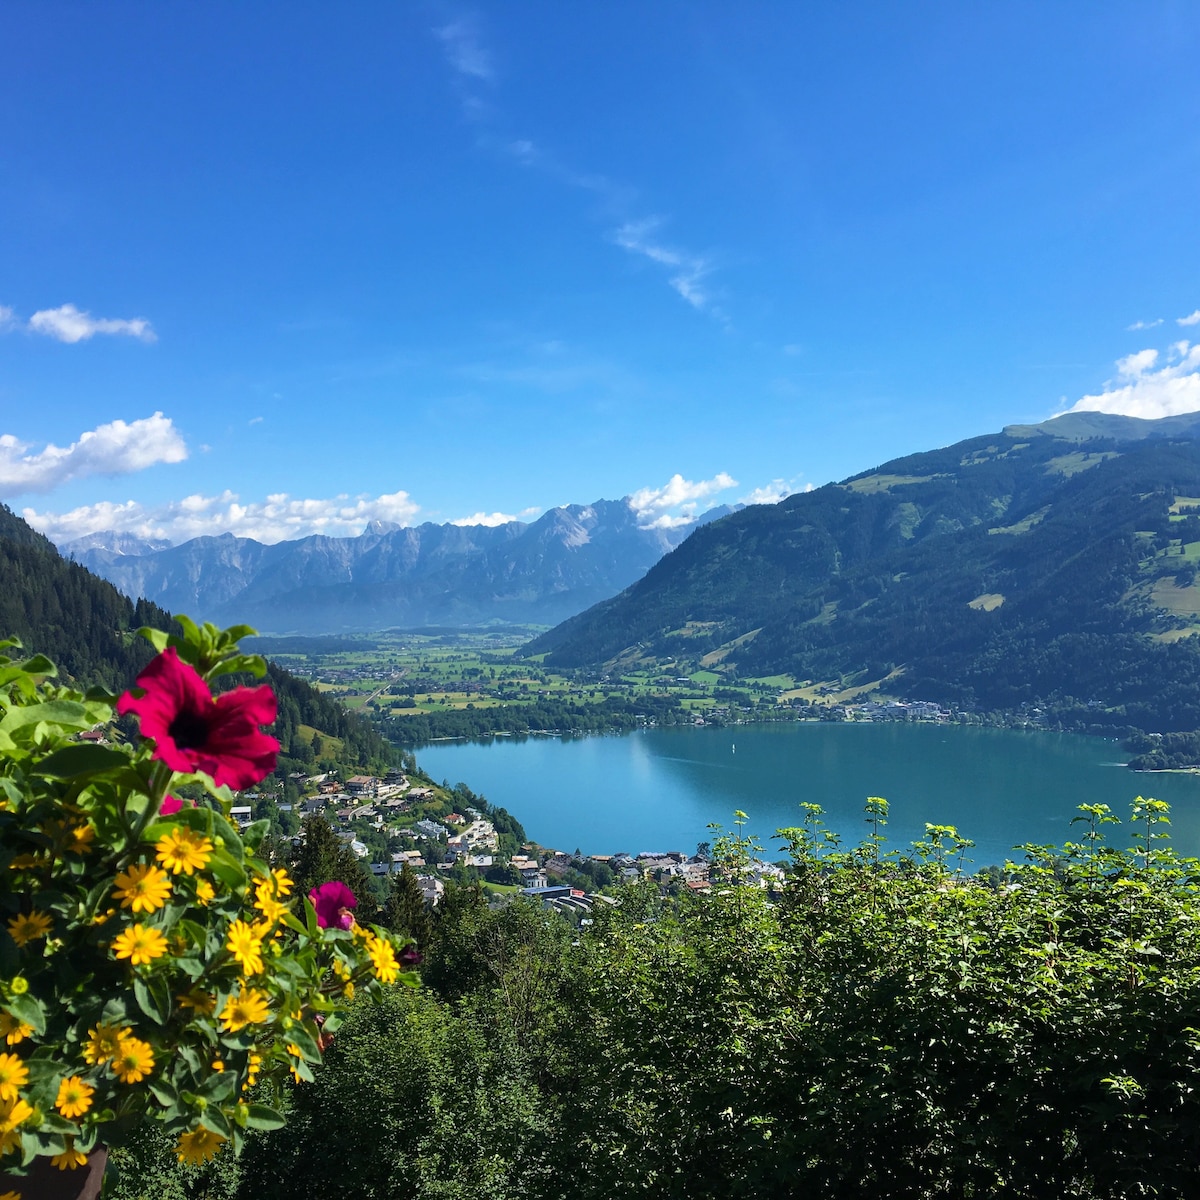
[
  {"x": 895, "y": 710},
  {"x": 471, "y": 839}
]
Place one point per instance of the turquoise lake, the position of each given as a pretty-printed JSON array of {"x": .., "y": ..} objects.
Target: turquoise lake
[{"x": 658, "y": 789}]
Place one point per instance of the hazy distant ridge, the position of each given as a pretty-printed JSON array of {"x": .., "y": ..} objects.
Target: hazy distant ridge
[{"x": 541, "y": 572}]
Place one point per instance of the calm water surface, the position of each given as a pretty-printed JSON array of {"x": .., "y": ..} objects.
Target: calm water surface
[{"x": 659, "y": 788}]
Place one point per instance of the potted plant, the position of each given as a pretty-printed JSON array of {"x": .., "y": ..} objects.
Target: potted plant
[{"x": 153, "y": 966}]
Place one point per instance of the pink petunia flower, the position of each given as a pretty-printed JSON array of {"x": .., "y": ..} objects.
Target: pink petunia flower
[
  {"x": 172, "y": 804},
  {"x": 333, "y": 902},
  {"x": 194, "y": 731}
]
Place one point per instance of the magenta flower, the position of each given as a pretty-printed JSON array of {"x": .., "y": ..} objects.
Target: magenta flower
[
  {"x": 171, "y": 805},
  {"x": 333, "y": 902},
  {"x": 410, "y": 956},
  {"x": 194, "y": 731}
]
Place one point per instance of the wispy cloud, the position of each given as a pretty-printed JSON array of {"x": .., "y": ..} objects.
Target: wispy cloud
[
  {"x": 465, "y": 52},
  {"x": 1190, "y": 319},
  {"x": 278, "y": 518},
  {"x": 1137, "y": 325},
  {"x": 677, "y": 502},
  {"x": 117, "y": 448},
  {"x": 1144, "y": 388},
  {"x": 686, "y": 271},
  {"x": 69, "y": 324}
]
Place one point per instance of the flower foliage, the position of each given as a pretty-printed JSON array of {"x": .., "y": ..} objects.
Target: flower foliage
[{"x": 151, "y": 962}]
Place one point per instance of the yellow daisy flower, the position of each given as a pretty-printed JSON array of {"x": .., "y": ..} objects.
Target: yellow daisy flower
[
  {"x": 133, "y": 1061},
  {"x": 13, "y": 1112},
  {"x": 205, "y": 892},
  {"x": 245, "y": 944},
  {"x": 283, "y": 881},
  {"x": 10, "y": 1196},
  {"x": 140, "y": 944},
  {"x": 70, "y": 1159},
  {"x": 198, "y": 1000},
  {"x": 74, "y": 1097},
  {"x": 103, "y": 1043},
  {"x": 12, "y": 1030},
  {"x": 383, "y": 958},
  {"x": 271, "y": 909},
  {"x": 244, "y": 1008},
  {"x": 81, "y": 839},
  {"x": 198, "y": 1146},
  {"x": 184, "y": 850},
  {"x": 143, "y": 888},
  {"x": 13, "y": 1075},
  {"x": 28, "y": 928}
]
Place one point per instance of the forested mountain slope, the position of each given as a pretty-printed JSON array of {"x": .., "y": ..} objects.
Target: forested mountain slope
[
  {"x": 1050, "y": 563},
  {"x": 86, "y": 627}
]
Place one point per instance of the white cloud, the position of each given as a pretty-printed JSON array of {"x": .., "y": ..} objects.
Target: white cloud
[
  {"x": 68, "y": 324},
  {"x": 666, "y": 521},
  {"x": 278, "y": 518},
  {"x": 8, "y": 318},
  {"x": 689, "y": 270},
  {"x": 769, "y": 493},
  {"x": 1133, "y": 366},
  {"x": 1143, "y": 325},
  {"x": 1190, "y": 319},
  {"x": 464, "y": 49},
  {"x": 1143, "y": 391},
  {"x": 491, "y": 520},
  {"x": 654, "y": 506},
  {"x": 113, "y": 449}
]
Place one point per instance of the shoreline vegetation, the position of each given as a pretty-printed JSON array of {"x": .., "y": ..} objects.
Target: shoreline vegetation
[
  {"x": 1024, "y": 1031},
  {"x": 421, "y": 689}
]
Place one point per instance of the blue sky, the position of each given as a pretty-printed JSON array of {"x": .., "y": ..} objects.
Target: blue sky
[{"x": 428, "y": 262}]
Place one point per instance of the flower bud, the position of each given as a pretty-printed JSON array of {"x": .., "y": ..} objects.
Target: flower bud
[{"x": 19, "y": 985}]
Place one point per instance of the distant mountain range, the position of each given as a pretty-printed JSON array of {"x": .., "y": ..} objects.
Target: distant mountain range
[
  {"x": 536, "y": 573},
  {"x": 85, "y": 626},
  {"x": 1050, "y": 565}
]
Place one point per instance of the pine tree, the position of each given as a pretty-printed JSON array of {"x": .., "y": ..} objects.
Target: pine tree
[
  {"x": 405, "y": 911},
  {"x": 323, "y": 856}
]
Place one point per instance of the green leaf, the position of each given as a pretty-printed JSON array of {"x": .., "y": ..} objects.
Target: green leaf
[
  {"x": 216, "y": 1120},
  {"x": 262, "y": 1117},
  {"x": 25, "y": 1008},
  {"x": 300, "y": 1035},
  {"x": 66, "y": 714},
  {"x": 253, "y": 835},
  {"x": 73, "y": 761},
  {"x": 153, "y": 997},
  {"x": 227, "y": 870},
  {"x": 53, "y": 1123},
  {"x": 219, "y": 1086},
  {"x": 156, "y": 637},
  {"x": 39, "y": 664},
  {"x": 243, "y": 664},
  {"x": 163, "y": 1092}
]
